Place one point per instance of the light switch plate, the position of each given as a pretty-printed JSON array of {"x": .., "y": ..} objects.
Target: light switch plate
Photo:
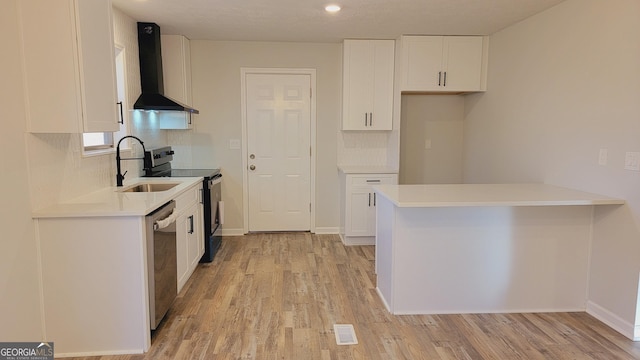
[
  {"x": 602, "y": 157},
  {"x": 632, "y": 161}
]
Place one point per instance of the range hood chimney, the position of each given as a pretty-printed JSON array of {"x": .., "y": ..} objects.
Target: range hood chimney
[{"x": 151, "y": 79}]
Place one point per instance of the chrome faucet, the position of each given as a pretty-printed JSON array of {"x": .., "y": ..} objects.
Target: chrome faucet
[{"x": 119, "y": 175}]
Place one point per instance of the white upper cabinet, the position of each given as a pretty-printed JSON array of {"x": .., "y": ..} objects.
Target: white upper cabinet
[
  {"x": 176, "y": 72},
  {"x": 443, "y": 63},
  {"x": 69, "y": 66},
  {"x": 176, "y": 68},
  {"x": 367, "y": 92}
]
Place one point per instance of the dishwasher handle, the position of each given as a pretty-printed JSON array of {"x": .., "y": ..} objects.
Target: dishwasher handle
[{"x": 163, "y": 223}]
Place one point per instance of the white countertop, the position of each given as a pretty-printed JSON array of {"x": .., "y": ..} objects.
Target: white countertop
[
  {"x": 353, "y": 169},
  {"x": 458, "y": 195},
  {"x": 112, "y": 202}
]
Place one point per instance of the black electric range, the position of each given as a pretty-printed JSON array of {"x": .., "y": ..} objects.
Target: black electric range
[{"x": 158, "y": 164}]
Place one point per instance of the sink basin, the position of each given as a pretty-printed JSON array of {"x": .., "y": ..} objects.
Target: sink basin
[{"x": 150, "y": 187}]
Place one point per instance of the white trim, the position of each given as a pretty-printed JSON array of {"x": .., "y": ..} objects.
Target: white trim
[
  {"x": 357, "y": 240},
  {"x": 43, "y": 323},
  {"x": 312, "y": 136},
  {"x": 100, "y": 353},
  {"x": 327, "y": 230},
  {"x": 614, "y": 321},
  {"x": 233, "y": 232}
]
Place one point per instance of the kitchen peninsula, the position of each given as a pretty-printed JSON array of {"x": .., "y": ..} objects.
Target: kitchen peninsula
[{"x": 484, "y": 248}]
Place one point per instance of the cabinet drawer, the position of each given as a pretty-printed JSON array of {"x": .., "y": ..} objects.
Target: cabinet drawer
[
  {"x": 357, "y": 180},
  {"x": 188, "y": 198}
]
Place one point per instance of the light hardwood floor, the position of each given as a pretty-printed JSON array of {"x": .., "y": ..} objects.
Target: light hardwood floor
[{"x": 277, "y": 296}]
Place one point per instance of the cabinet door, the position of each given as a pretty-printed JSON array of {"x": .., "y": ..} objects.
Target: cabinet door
[
  {"x": 463, "y": 63},
  {"x": 358, "y": 84},
  {"x": 52, "y": 84},
  {"x": 195, "y": 237},
  {"x": 176, "y": 68},
  {"x": 189, "y": 237},
  {"x": 422, "y": 63},
  {"x": 359, "y": 216},
  {"x": 361, "y": 202},
  {"x": 382, "y": 116},
  {"x": 367, "y": 102},
  {"x": 97, "y": 65},
  {"x": 69, "y": 64},
  {"x": 189, "y": 233},
  {"x": 182, "y": 254}
]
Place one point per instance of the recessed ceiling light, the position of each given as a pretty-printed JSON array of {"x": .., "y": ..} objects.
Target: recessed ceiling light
[{"x": 332, "y": 8}]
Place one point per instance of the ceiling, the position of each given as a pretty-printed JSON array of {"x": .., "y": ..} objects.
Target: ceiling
[{"x": 306, "y": 20}]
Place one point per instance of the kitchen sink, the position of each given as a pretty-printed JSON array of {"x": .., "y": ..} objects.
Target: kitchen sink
[{"x": 151, "y": 187}]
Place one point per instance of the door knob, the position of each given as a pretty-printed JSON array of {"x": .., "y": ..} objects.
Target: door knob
[{"x": 252, "y": 167}]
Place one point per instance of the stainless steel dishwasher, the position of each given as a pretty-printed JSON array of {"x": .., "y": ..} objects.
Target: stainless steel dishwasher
[{"x": 161, "y": 261}]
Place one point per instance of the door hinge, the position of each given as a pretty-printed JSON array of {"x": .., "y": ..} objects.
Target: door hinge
[
  {"x": 309, "y": 151},
  {"x": 309, "y": 207},
  {"x": 310, "y": 93}
]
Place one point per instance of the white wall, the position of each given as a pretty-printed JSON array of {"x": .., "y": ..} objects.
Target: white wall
[
  {"x": 19, "y": 294},
  {"x": 562, "y": 85},
  {"x": 431, "y": 139},
  {"x": 216, "y": 94}
]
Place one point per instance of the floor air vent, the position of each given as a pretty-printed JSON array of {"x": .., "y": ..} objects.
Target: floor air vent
[{"x": 345, "y": 334}]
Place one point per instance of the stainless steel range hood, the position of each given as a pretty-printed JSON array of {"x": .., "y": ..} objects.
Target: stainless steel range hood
[{"x": 151, "y": 79}]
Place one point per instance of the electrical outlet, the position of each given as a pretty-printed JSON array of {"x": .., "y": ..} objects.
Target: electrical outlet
[
  {"x": 632, "y": 161},
  {"x": 602, "y": 157}
]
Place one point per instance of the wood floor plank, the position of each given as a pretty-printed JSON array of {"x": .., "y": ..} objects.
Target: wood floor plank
[{"x": 276, "y": 296}]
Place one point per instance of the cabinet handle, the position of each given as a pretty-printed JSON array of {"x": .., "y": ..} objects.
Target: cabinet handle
[
  {"x": 201, "y": 196},
  {"x": 191, "y": 224},
  {"x": 369, "y": 199},
  {"x": 373, "y": 180},
  {"x": 439, "y": 78},
  {"x": 374, "y": 199},
  {"x": 121, "y": 113},
  {"x": 189, "y": 118},
  {"x": 365, "y": 119},
  {"x": 445, "y": 79},
  {"x": 370, "y": 119}
]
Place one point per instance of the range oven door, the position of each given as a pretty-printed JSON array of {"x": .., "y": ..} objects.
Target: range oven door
[{"x": 213, "y": 218}]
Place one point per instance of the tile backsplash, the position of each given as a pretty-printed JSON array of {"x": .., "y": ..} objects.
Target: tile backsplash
[{"x": 362, "y": 148}]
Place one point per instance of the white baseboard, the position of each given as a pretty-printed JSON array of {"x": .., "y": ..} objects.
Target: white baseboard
[
  {"x": 240, "y": 232},
  {"x": 327, "y": 230},
  {"x": 232, "y": 232},
  {"x": 614, "y": 321},
  {"x": 384, "y": 301},
  {"x": 358, "y": 240}
]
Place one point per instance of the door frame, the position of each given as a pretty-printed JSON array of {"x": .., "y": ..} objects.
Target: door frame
[{"x": 312, "y": 136}]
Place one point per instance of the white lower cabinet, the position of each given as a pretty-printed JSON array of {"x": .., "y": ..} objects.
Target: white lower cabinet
[
  {"x": 359, "y": 206},
  {"x": 189, "y": 233}
]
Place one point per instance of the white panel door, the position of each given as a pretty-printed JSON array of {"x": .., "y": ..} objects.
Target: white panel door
[{"x": 278, "y": 145}]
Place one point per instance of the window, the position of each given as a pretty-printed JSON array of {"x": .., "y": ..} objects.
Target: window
[{"x": 98, "y": 143}]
